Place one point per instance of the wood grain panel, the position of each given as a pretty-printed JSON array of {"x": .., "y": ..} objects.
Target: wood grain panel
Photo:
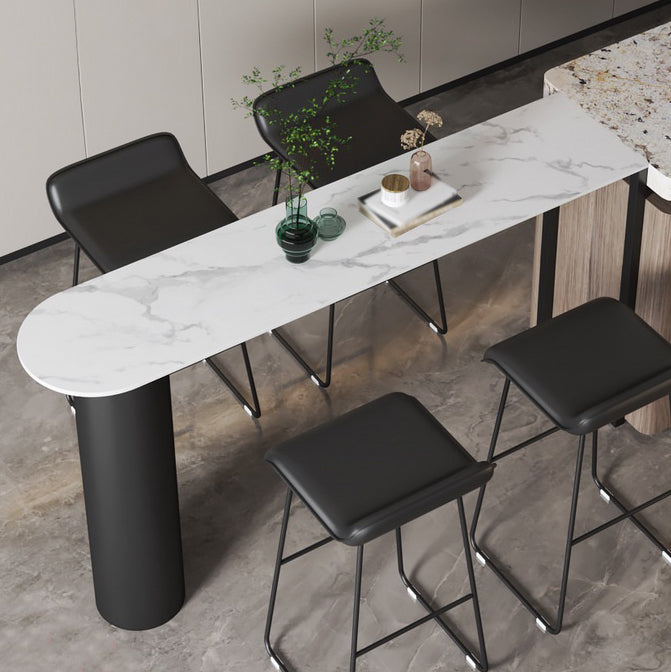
[
  {"x": 653, "y": 300},
  {"x": 590, "y": 246}
]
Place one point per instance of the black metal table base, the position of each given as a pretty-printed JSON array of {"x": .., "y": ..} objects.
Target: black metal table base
[{"x": 127, "y": 453}]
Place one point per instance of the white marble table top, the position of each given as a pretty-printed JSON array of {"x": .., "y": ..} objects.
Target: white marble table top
[
  {"x": 627, "y": 87},
  {"x": 153, "y": 317}
]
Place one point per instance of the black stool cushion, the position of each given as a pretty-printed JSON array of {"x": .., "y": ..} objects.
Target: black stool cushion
[
  {"x": 589, "y": 366},
  {"x": 376, "y": 468}
]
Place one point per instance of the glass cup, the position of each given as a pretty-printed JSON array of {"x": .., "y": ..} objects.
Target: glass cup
[{"x": 330, "y": 224}]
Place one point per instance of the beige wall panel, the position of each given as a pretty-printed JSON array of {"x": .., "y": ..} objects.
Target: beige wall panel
[
  {"x": 40, "y": 115},
  {"x": 235, "y": 37},
  {"x": 140, "y": 73},
  {"x": 624, "y": 6},
  {"x": 348, "y": 17},
  {"x": 462, "y": 36},
  {"x": 546, "y": 20}
]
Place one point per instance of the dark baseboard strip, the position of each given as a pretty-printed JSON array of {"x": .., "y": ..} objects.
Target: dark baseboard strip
[
  {"x": 530, "y": 54},
  {"x": 24, "y": 251},
  {"x": 238, "y": 167}
]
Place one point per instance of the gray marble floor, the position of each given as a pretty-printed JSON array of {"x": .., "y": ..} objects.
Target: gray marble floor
[{"x": 618, "y": 616}]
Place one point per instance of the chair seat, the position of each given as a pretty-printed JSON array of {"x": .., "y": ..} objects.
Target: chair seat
[
  {"x": 377, "y": 468},
  {"x": 147, "y": 219},
  {"x": 589, "y": 366}
]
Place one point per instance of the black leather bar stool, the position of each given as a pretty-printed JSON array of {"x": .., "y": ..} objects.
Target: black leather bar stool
[
  {"x": 374, "y": 122},
  {"x": 584, "y": 369},
  {"x": 133, "y": 201},
  {"x": 371, "y": 471}
]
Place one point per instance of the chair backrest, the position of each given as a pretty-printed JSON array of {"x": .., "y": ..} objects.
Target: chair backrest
[
  {"x": 365, "y": 113},
  {"x": 134, "y": 200}
]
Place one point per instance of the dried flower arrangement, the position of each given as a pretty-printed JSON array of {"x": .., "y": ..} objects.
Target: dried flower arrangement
[
  {"x": 414, "y": 136},
  {"x": 308, "y": 131}
]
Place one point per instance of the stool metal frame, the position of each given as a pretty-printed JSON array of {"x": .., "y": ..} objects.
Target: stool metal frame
[
  {"x": 554, "y": 626},
  {"x": 477, "y": 661}
]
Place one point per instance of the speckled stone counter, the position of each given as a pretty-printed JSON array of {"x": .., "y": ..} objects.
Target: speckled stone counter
[{"x": 627, "y": 87}]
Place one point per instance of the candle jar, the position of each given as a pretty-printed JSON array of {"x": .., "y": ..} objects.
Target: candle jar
[
  {"x": 394, "y": 190},
  {"x": 420, "y": 170}
]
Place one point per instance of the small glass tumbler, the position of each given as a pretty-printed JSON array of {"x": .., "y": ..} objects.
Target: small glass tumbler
[{"x": 330, "y": 224}]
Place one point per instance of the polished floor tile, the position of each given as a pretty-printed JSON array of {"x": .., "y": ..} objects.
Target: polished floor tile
[{"x": 618, "y": 616}]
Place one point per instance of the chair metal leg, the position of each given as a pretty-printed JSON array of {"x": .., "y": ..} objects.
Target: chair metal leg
[
  {"x": 481, "y": 662},
  {"x": 355, "y": 610},
  {"x": 478, "y": 662},
  {"x": 438, "y": 328},
  {"x": 274, "y": 657},
  {"x": 475, "y": 661},
  {"x": 314, "y": 377},
  {"x": 75, "y": 269},
  {"x": 486, "y": 559},
  {"x": 253, "y": 408},
  {"x": 276, "y": 188},
  {"x": 609, "y": 495}
]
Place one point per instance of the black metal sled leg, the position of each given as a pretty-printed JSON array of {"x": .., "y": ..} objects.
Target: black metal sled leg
[
  {"x": 474, "y": 660},
  {"x": 253, "y": 409},
  {"x": 484, "y": 558},
  {"x": 276, "y": 188},
  {"x": 438, "y": 328},
  {"x": 314, "y": 377},
  {"x": 609, "y": 495},
  {"x": 274, "y": 657},
  {"x": 75, "y": 268}
]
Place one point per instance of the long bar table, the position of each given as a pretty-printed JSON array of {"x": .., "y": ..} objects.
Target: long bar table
[{"x": 111, "y": 343}]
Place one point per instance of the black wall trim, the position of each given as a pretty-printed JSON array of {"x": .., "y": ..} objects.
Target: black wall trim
[
  {"x": 24, "y": 251},
  {"x": 530, "y": 54}
]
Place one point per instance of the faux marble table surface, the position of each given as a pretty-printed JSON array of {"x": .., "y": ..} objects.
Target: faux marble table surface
[
  {"x": 627, "y": 87},
  {"x": 151, "y": 318}
]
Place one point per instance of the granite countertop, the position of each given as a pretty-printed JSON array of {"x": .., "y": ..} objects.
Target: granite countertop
[{"x": 627, "y": 87}]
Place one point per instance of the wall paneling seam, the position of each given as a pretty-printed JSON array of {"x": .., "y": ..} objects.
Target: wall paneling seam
[
  {"x": 202, "y": 84},
  {"x": 79, "y": 77}
]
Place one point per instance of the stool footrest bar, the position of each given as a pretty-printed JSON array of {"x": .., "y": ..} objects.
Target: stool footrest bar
[
  {"x": 307, "y": 549},
  {"x": 432, "y": 615}
]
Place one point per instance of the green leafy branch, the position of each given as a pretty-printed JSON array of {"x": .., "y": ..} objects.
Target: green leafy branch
[
  {"x": 310, "y": 131},
  {"x": 375, "y": 38}
]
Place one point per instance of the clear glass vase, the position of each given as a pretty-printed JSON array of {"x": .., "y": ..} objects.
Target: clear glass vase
[
  {"x": 420, "y": 170},
  {"x": 296, "y": 234}
]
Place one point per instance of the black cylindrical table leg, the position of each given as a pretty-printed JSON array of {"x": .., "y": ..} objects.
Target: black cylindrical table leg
[{"x": 127, "y": 452}]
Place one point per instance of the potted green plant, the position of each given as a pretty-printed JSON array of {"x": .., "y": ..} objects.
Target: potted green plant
[{"x": 308, "y": 132}]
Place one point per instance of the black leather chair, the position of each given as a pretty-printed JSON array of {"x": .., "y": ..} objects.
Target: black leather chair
[
  {"x": 374, "y": 122},
  {"x": 584, "y": 369},
  {"x": 369, "y": 472},
  {"x": 134, "y": 201}
]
